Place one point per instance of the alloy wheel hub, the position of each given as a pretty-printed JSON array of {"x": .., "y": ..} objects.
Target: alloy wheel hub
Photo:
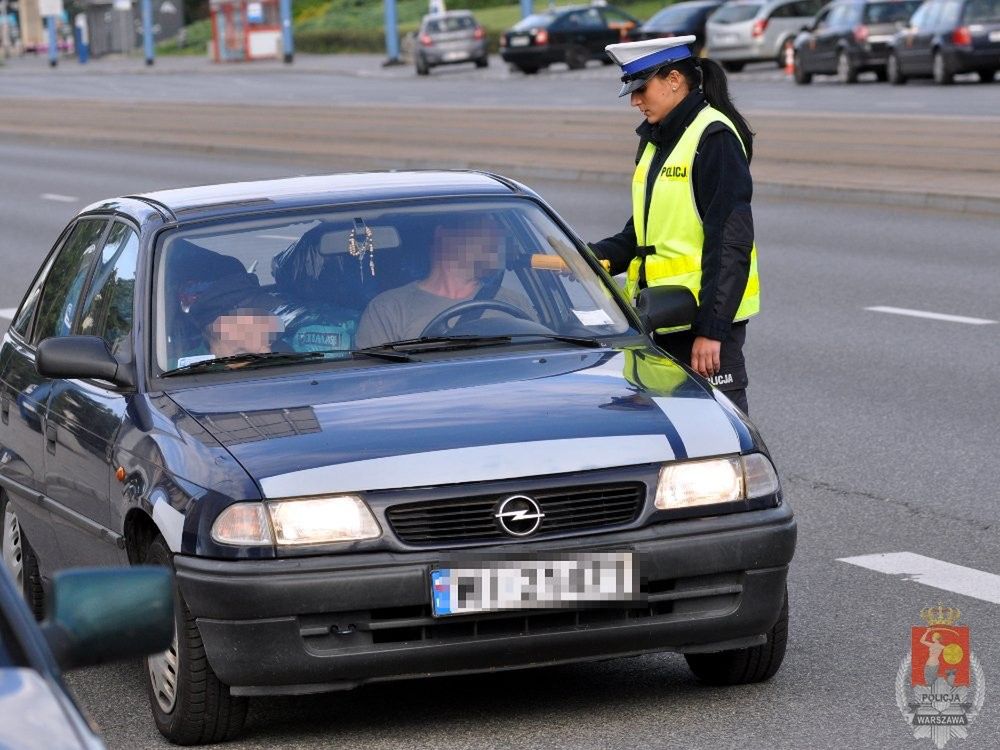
[
  {"x": 13, "y": 554},
  {"x": 163, "y": 675}
]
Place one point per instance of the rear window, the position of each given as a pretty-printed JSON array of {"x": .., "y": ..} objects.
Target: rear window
[
  {"x": 979, "y": 11},
  {"x": 675, "y": 15},
  {"x": 450, "y": 23},
  {"x": 889, "y": 12},
  {"x": 736, "y": 13},
  {"x": 539, "y": 21}
]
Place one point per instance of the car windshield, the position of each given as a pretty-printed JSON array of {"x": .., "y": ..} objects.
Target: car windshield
[
  {"x": 980, "y": 11},
  {"x": 890, "y": 12},
  {"x": 736, "y": 13},
  {"x": 266, "y": 291},
  {"x": 450, "y": 23},
  {"x": 537, "y": 21},
  {"x": 675, "y": 15}
]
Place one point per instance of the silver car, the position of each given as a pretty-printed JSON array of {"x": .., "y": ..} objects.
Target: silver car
[
  {"x": 446, "y": 38},
  {"x": 754, "y": 30}
]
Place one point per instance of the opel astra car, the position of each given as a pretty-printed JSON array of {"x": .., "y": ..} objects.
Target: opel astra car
[
  {"x": 382, "y": 426},
  {"x": 746, "y": 31},
  {"x": 679, "y": 19},
  {"x": 447, "y": 39},
  {"x": 850, "y": 37},
  {"x": 572, "y": 34},
  {"x": 944, "y": 39}
]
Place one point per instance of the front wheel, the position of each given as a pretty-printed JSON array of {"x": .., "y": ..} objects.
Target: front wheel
[
  {"x": 987, "y": 76},
  {"x": 528, "y": 70},
  {"x": 19, "y": 559},
  {"x": 744, "y": 665},
  {"x": 483, "y": 62},
  {"x": 422, "y": 67},
  {"x": 894, "y": 72},
  {"x": 801, "y": 77},
  {"x": 576, "y": 58},
  {"x": 190, "y": 706}
]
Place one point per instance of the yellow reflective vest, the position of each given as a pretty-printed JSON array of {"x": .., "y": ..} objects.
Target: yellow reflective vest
[{"x": 675, "y": 227}]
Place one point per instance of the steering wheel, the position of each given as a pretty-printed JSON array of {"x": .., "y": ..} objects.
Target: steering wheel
[{"x": 438, "y": 324}]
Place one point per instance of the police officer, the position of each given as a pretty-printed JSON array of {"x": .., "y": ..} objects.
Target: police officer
[{"x": 691, "y": 221}]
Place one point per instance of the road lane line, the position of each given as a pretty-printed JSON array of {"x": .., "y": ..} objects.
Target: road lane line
[
  {"x": 932, "y": 315},
  {"x": 7, "y": 312},
  {"x": 935, "y": 573},
  {"x": 59, "y": 198}
]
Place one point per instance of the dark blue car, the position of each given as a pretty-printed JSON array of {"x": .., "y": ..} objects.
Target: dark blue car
[{"x": 381, "y": 426}]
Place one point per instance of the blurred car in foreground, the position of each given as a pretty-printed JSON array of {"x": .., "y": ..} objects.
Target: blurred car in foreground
[
  {"x": 447, "y": 39},
  {"x": 680, "y": 19},
  {"x": 96, "y": 616},
  {"x": 745, "y": 31},
  {"x": 850, "y": 37},
  {"x": 382, "y": 426},
  {"x": 945, "y": 38},
  {"x": 573, "y": 35}
]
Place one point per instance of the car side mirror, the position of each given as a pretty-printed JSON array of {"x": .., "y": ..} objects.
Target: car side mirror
[
  {"x": 109, "y": 614},
  {"x": 81, "y": 357},
  {"x": 666, "y": 307}
]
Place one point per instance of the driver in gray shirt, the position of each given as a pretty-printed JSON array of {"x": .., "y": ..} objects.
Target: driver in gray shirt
[{"x": 465, "y": 250}]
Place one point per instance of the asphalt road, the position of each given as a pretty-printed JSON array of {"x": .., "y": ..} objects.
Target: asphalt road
[
  {"x": 361, "y": 79},
  {"x": 883, "y": 427}
]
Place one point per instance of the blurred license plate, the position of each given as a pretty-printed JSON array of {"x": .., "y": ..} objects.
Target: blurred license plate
[
  {"x": 519, "y": 41},
  {"x": 452, "y": 56},
  {"x": 535, "y": 584},
  {"x": 727, "y": 38},
  {"x": 995, "y": 36}
]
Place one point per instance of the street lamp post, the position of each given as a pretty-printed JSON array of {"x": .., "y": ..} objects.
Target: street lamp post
[
  {"x": 5, "y": 31},
  {"x": 391, "y": 34},
  {"x": 147, "y": 30},
  {"x": 287, "y": 42},
  {"x": 527, "y": 8}
]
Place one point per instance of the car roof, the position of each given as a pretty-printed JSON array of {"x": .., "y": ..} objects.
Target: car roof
[{"x": 294, "y": 192}]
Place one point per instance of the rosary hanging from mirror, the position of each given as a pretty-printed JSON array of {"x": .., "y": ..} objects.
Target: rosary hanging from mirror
[{"x": 360, "y": 243}]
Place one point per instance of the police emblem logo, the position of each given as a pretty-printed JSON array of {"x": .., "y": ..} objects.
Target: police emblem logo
[{"x": 940, "y": 686}]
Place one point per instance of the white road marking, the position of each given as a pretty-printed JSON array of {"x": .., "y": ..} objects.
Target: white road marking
[
  {"x": 935, "y": 573},
  {"x": 7, "y": 312},
  {"x": 932, "y": 315},
  {"x": 59, "y": 198}
]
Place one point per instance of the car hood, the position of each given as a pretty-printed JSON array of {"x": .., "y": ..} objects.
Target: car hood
[
  {"x": 464, "y": 419},
  {"x": 33, "y": 718}
]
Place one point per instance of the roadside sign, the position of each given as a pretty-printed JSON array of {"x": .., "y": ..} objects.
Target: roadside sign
[{"x": 48, "y": 8}]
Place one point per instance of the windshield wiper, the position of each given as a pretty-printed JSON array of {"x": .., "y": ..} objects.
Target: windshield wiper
[
  {"x": 442, "y": 343},
  {"x": 245, "y": 360}
]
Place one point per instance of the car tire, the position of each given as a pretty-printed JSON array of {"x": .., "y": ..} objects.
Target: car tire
[
  {"x": 987, "y": 76},
  {"x": 731, "y": 66},
  {"x": 745, "y": 665},
  {"x": 483, "y": 62},
  {"x": 943, "y": 74},
  {"x": 196, "y": 708},
  {"x": 576, "y": 58},
  {"x": 528, "y": 70},
  {"x": 422, "y": 67},
  {"x": 893, "y": 72},
  {"x": 20, "y": 560},
  {"x": 801, "y": 77},
  {"x": 847, "y": 71}
]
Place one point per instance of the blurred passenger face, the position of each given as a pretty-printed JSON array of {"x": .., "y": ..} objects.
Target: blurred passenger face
[
  {"x": 473, "y": 249},
  {"x": 244, "y": 331}
]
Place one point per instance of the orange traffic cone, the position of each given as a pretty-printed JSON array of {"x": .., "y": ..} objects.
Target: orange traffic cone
[{"x": 789, "y": 59}]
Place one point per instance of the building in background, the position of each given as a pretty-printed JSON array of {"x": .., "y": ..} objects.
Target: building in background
[
  {"x": 245, "y": 30},
  {"x": 115, "y": 26}
]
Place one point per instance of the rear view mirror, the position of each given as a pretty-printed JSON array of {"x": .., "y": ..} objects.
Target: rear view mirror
[
  {"x": 666, "y": 307},
  {"x": 109, "y": 614},
  {"x": 80, "y": 357}
]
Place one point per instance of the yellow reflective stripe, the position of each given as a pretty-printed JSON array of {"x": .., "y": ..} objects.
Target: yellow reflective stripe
[{"x": 657, "y": 266}]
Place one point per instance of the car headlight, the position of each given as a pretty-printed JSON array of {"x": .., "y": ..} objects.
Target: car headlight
[
  {"x": 297, "y": 522},
  {"x": 688, "y": 484}
]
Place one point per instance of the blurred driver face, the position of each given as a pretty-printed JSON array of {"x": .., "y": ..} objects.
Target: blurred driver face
[
  {"x": 244, "y": 331},
  {"x": 474, "y": 248}
]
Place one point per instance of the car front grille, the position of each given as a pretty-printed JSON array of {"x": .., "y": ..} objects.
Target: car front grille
[{"x": 473, "y": 519}]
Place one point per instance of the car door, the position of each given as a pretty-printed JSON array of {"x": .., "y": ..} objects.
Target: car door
[
  {"x": 839, "y": 22},
  {"x": 50, "y": 305},
  {"x": 83, "y": 417},
  {"x": 808, "y": 50},
  {"x": 919, "y": 44}
]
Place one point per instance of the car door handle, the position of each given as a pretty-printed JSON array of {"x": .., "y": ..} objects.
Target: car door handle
[{"x": 51, "y": 435}]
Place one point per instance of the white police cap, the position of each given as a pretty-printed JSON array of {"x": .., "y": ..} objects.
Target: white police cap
[{"x": 640, "y": 60}]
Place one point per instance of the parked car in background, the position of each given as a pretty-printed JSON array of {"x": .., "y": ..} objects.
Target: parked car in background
[
  {"x": 447, "y": 39},
  {"x": 850, "y": 37},
  {"x": 96, "y": 616},
  {"x": 358, "y": 476},
  {"x": 679, "y": 19},
  {"x": 746, "y": 31},
  {"x": 573, "y": 35},
  {"x": 945, "y": 38}
]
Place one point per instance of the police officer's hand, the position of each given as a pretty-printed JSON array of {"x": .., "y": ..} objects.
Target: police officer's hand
[{"x": 705, "y": 356}]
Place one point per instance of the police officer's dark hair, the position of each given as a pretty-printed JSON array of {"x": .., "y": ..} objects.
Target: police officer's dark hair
[{"x": 708, "y": 76}]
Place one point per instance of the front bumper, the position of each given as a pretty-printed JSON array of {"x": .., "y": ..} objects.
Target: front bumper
[{"x": 334, "y": 622}]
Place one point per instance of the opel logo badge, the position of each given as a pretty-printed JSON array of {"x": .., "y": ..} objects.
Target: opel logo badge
[{"x": 519, "y": 515}]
